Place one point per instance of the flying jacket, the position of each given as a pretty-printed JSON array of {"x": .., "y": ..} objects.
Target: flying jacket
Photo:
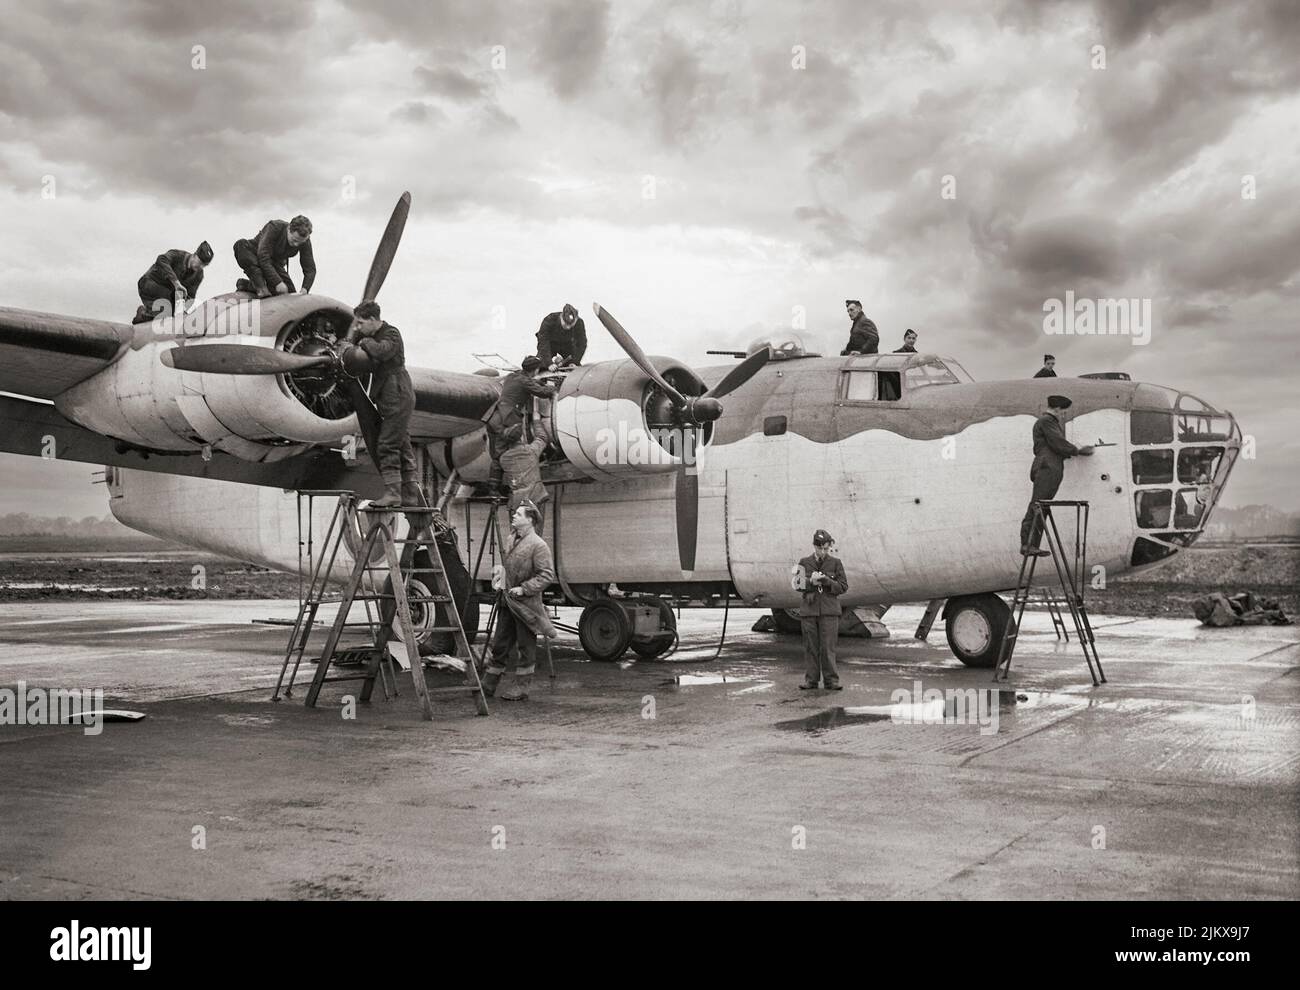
[
  {"x": 863, "y": 336},
  {"x": 1050, "y": 446},
  {"x": 823, "y": 599},
  {"x": 171, "y": 270},
  {"x": 274, "y": 252},
  {"x": 553, "y": 339}
]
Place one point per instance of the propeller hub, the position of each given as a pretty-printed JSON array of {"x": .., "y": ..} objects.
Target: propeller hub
[{"x": 705, "y": 409}]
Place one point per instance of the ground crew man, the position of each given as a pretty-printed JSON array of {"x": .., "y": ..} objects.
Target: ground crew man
[
  {"x": 1048, "y": 368},
  {"x": 511, "y": 417},
  {"x": 174, "y": 273},
  {"x": 909, "y": 343},
  {"x": 864, "y": 338},
  {"x": 521, "y": 614},
  {"x": 394, "y": 397},
  {"x": 1050, "y": 451},
  {"x": 822, "y": 580},
  {"x": 562, "y": 338},
  {"x": 265, "y": 258}
]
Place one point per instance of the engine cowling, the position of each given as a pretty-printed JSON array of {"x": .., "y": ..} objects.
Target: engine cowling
[
  {"x": 141, "y": 401},
  {"x": 612, "y": 421}
]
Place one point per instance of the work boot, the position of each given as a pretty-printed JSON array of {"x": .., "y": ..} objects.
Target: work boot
[
  {"x": 518, "y": 689},
  {"x": 392, "y": 496},
  {"x": 1034, "y": 552},
  {"x": 490, "y": 682}
]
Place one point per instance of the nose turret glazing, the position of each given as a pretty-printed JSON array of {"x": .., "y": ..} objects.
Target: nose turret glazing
[{"x": 1182, "y": 450}]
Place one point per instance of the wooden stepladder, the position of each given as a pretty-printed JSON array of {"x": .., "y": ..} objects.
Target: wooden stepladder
[
  {"x": 366, "y": 584},
  {"x": 1071, "y": 568}
]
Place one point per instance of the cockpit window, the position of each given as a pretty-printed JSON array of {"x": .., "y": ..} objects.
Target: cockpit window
[
  {"x": 1198, "y": 465},
  {"x": 1153, "y": 508},
  {"x": 1153, "y": 467},
  {"x": 930, "y": 373},
  {"x": 1146, "y": 426}
]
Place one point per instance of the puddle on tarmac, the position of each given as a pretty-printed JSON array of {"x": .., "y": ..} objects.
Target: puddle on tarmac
[
  {"x": 832, "y": 718},
  {"x": 692, "y": 680},
  {"x": 937, "y": 711}
]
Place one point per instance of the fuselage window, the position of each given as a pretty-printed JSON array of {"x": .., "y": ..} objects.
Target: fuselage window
[{"x": 861, "y": 386}]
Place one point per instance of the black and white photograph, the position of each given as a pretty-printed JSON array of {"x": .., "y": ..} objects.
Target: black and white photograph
[{"x": 605, "y": 450}]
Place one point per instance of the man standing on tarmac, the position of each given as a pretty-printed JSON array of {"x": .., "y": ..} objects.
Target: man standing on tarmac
[
  {"x": 521, "y": 613},
  {"x": 821, "y": 578},
  {"x": 1050, "y": 451},
  {"x": 394, "y": 396}
]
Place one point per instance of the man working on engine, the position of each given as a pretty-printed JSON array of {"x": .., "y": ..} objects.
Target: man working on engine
[{"x": 394, "y": 396}]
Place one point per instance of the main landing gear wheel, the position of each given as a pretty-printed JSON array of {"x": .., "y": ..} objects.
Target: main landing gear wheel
[
  {"x": 604, "y": 629},
  {"x": 660, "y": 643},
  {"x": 975, "y": 627},
  {"x": 787, "y": 621}
]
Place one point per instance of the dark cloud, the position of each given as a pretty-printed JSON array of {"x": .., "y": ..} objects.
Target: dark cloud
[
  {"x": 571, "y": 43},
  {"x": 683, "y": 94},
  {"x": 451, "y": 83},
  {"x": 419, "y": 112}
]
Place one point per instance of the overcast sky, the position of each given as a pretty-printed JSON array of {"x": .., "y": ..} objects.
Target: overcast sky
[{"x": 705, "y": 170}]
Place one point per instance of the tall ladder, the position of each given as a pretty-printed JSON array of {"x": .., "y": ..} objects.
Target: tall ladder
[
  {"x": 394, "y": 604},
  {"x": 1070, "y": 571}
]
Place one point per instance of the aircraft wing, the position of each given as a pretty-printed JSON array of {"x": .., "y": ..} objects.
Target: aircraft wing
[
  {"x": 42, "y": 354},
  {"x": 37, "y": 429}
]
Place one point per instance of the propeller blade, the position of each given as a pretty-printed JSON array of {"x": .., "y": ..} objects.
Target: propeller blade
[
  {"x": 634, "y": 351},
  {"x": 238, "y": 359},
  {"x": 367, "y": 416},
  {"x": 740, "y": 374},
  {"x": 387, "y": 247},
  {"x": 687, "y": 494}
]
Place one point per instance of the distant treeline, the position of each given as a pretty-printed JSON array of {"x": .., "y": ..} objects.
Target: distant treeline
[
  {"x": 1252, "y": 521},
  {"x": 26, "y": 524}
]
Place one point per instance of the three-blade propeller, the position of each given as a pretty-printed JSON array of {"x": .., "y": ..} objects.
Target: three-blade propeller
[
  {"x": 242, "y": 359},
  {"x": 692, "y": 412}
]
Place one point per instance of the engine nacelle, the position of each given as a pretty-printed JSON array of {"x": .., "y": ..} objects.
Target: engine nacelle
[
  {"x": 143, "y": 402},
  {"x": 612, "y": 421}
]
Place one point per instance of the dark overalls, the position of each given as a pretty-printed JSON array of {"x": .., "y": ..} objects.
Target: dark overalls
[
  {"x": 265, "y": 259},
  {"x": 1050, "y": 451},
  {"x": 394, "y": 396},
  {"x": 160, "y": 281}
]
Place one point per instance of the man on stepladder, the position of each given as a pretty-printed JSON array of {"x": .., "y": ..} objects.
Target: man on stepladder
[
  {"x": 394, "y": 397},
  {"x": 521, "y": 613},
  {"x": 1045, "y": 474}
]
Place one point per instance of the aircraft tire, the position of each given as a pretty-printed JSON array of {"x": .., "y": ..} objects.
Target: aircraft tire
[
  {"x": 975, "y": 626},
  {"x": 604, "y": 630},
  {"x": 786, "y": 622}
]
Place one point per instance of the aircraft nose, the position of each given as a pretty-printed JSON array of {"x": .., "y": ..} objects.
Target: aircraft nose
[{"x": 1182, "y": 451}]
